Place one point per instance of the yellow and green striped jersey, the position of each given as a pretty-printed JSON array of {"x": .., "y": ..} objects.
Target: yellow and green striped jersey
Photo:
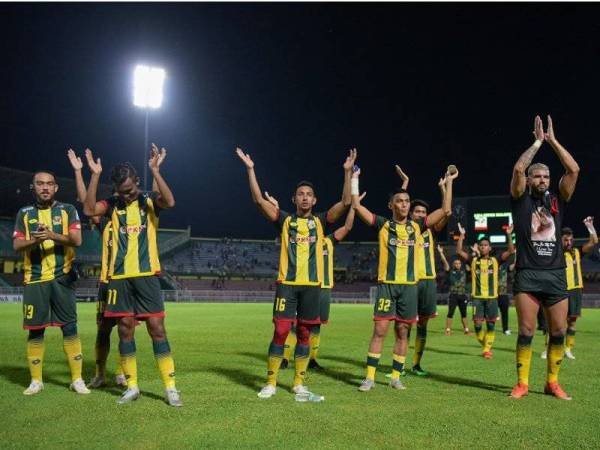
[
  {"x": 484, "y": 278},
  {"x": 301, "y": 257},
  {"x": 426, "y": 256},
  {"x": 573, "y": 262},
  {"x": 134, "y": 236},
  {"x": 329, "y": 242},
  {"x": 49, "y": 259},
  {"x": 105, "y": 228},
  {"x": 398, "y": 255}
]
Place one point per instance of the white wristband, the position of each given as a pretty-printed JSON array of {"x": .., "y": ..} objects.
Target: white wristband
[
  {"x": 537, "y": 144},
  {"x": 590, "y": 229},
  {"x": 354, "y": 186}
]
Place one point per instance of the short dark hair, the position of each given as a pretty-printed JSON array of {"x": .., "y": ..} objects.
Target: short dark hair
[
  {"x": 483, "y": 238},
  {"x": 49, "y": 172},
  {"x": 397, "y": 190},
  {"x": 566, "y": 231},
  {"x": 304, "y": 183},
  {"x": 121, "y": 172},
  {"x": 419, "y": 202}
]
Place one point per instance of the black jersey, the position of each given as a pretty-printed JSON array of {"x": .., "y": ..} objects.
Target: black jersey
[{"x": 537, "y": 223}]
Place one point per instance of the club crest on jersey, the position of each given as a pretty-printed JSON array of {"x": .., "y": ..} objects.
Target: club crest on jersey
[
  {"x": 410, "y": 229},
  {"x": 56, "y": 220},
  {"x": 311, "y": 224}
]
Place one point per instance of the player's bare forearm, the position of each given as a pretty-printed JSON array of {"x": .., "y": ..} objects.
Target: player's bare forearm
[
  {"x": 569, "y": 179},
  {"x": 435, "y": 217},
  {"x": 154, "y": 185},
  {"x": 341, "y": 233},
  {"x": 363, "y": 213},
  {"x": 590, "y": 244},
  {"x": 73, "y": 239},
  {"x": 21, "y": 245},
  {"x": 346, "y": 194},
  {"x": 444, "y": 261},
  {"x": 460, "y": 250},
  {"x": 91, "y": 207},
  {"x": 264, "y": 206},
  {"x": 165, "y": 197},
  {"x": 335, "y": 212},
  {"x": 80, "y": 186},
  {"x": 519, "y": 178}
]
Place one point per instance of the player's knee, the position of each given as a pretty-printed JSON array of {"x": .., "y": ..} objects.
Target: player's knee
[
  {"x": 36, "y": 334},
  {"x": 157, "y": 331},
  {"x": 526, "y": 330},
  {"x": 303, "y": 334},
  {"x": 69, "y": 329},
  {"x": 280, "y": 334}
]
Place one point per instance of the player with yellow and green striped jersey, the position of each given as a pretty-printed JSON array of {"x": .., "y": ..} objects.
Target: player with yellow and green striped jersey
[
  {"x": 300, "y": 275},
  {"x": 574, "y": 278},
  {"x": 47, "y": 233},
  {"x": 484, "y": 285},
  {"x": 397, "y": 276},
  {"x": 134, "y": 289}
]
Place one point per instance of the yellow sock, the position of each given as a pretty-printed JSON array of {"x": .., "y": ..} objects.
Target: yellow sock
[
  {"x": 315, "y": 341},
  {"x": 290, "y": 344},
  {"x": 523, "y": 358},
  {"x": 372, "y": 363},
  {"x": 300, "y": 363},
  {"x": 129, "y": 362},
  {"x": 273, "y": 362},
  {"x": 570, "y": 343},
  {"x": 490, "y": 336},
  {"x": 420, "y": 340},
  {"x": 35, "y": 358},
  {"x": 397, "y": 366},
  {"x": 164, "y": 360},
  {"x": 556, "y": 351},
  {"x": 72, "y": 348}
]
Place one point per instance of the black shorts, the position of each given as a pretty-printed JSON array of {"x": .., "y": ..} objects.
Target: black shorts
[
  {"x": 546, "y": 287},
  {"x": 295, "y": 302},
  {"x": 575, "y": 300},
  {"x": 460, "y": 301},
  {"x": 396, "y": 302},
  {"x": 427, "y": 300},
  {"x": 324, "y": 305},
  {"x": 138, "y": 297},
  {"x": 101, "y": 307},
  {"x": 49, "y": 303}
]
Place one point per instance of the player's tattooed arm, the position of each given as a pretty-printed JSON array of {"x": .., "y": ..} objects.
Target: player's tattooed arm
[
  {"x": 403, "y": 176},
  {"x": 363, "y": 213},
  {"x": 91, "y": 207},
  {"x": 511, "y": 246},
  {"x": 460, "y": 251},
  {"x": 445, "y": 264},
  {"x": 165, "y": 198},
  {"x": 567, "y": 183},
  {"x": 336, "y": 211},
  {"x": 593, "y": 241},
  {"x": 519, "y": 177},
  {"x": 161, "y": 158},
  {"x": 77, "y": 165},
  {"x": 266, "y": 208},
  {"x": 341, "y": 233}
]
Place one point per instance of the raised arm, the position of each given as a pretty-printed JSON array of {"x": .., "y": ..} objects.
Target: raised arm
[
  {"x": 511, "y": 246},
  {"x": 336, "y": 211},
  {"x": 445, "y": 264},
  {"x": 593, "y": 241},
  {"x": 459, "y": 245},
  {"x": 91, "y": 207},
  {"x": 266, "y": 208},
  {"x": 403, "y": 176},
  {"x": 165, "y": 198},
  {"x": 79, "y": 183},
  {"x": 567, "y": 183},
  {"x": 363, "y": 213},
  {"x": 519, "y": 177},
  {"x": 341, "y": 233},
  {"x": 161, "y": 158}
]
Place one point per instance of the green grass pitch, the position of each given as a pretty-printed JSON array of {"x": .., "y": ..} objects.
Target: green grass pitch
[{"x": 220, "y": 353}]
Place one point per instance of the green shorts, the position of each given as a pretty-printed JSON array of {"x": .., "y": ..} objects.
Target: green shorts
[
  {"x": 485, "y": 310},
  {"x": 49, "y": 303},
  {"x": 324, "y": 305},
  {"x": 427, "y": 304},
  {"x": 546, "y": 287},
  {"x": 294, "y": 302},
  {"x": 396, "y": 302},
  {"x": 101, "y": 307},
  {"x": 575, "y": 300},
  {"x": 137, "y": 297}
]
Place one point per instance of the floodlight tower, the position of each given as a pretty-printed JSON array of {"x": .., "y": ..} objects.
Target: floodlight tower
[{"x": 147, "y": 94}]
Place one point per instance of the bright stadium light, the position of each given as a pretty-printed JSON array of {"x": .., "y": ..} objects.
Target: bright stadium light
[
  {"x": 147, "y": 94},
  {"x": 148, "y": 86}
]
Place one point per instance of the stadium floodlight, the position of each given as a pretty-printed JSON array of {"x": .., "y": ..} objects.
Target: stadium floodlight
[
  {"x": 147, "y": 94},
  {"x": 148, "y": 86}
]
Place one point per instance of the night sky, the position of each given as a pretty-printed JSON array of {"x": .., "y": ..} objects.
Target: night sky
[{"x": 297, "y": 85}]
